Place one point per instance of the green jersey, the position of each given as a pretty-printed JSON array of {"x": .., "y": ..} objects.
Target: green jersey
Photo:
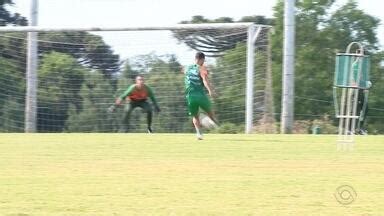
[
  {"x": 136, "y": 94},
  {"x": 193, "y": 81},
  {"x": 194, "y": 89}
]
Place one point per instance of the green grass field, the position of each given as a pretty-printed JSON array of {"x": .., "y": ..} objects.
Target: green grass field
[{"x": 174, "y": 174}]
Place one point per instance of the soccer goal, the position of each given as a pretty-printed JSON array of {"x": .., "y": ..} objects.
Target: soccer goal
[{"x": 81, "y": 71}]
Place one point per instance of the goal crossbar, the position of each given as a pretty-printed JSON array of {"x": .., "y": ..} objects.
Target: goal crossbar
[{"x": 132, "y": 28}]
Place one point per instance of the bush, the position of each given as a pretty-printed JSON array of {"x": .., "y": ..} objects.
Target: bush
[
  {"x": 325, "y": 124},
  {"x": 302, "y": 127},
  {"x": 266, "y": 128},
  {"x": 375, "y": 128}
]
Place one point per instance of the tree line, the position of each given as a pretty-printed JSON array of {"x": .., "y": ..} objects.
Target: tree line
[{"x": 79, "y": 79}]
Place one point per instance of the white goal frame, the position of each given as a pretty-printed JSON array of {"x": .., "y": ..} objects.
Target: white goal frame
[{"x": 31, "y": 94}]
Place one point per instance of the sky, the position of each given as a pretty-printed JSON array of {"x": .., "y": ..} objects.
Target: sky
[
  {"x": 139, "y": 12},
  {"x": 77, "y": 13}
]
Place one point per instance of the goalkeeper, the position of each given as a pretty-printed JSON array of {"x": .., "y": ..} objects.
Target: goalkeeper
[{"x": 137, "y": 95}]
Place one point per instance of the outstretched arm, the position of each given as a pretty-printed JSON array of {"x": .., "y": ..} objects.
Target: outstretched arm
[
  {"x": 124, "y": 95},
  {"x": 207, "y": 83}
]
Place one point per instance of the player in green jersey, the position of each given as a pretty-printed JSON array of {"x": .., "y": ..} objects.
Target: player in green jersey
[{"x": 196, "y": 83}]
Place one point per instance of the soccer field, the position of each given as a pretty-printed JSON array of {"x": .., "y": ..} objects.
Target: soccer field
[{"x": 174, "y": 174}]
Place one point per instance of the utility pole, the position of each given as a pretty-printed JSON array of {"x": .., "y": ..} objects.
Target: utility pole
[
  {"x": 31, "y": 76},
  {"x": 288, "y": 94}
]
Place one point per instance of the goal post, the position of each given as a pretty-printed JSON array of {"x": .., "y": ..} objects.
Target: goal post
[{"x": 227, "y": 36}]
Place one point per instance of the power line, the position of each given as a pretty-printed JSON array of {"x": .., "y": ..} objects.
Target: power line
[{"x": 331, "y": 102}]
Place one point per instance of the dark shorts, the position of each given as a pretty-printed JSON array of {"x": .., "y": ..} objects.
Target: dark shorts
[{"x": 142, "y": 104}]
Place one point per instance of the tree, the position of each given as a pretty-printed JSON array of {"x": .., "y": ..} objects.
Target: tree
[
  {"x": 12, "y": 116},
  {"x": 319, "y": 35},
  {"x": 90, "y": 50},
  {"x": 376, "y": 101},
  {"x": 7, "y": 17},
  {"x": 348, "y": 24},
  {"x": 214, "y": 42},
  {"x": 168, "y": 83},
  {"x": 128, "y": 72},
  {"x": 60, "y": 80},
  {"x": 231, "y": 91},
  {"x": 12, "y": 89},
  {"x": 11, "y": 74},
  {"x": 92, "y": 116},
  {"x": 11, "y": 81},
  {"x": 257, "y": 19}
]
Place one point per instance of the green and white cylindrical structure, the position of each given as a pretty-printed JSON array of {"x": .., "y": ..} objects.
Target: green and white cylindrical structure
[
  {"x": 352, "y": 71},
  {"x": 351, "y": 76}
]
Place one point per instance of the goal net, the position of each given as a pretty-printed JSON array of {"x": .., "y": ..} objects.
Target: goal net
[{"x": 80, "y": 73}]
